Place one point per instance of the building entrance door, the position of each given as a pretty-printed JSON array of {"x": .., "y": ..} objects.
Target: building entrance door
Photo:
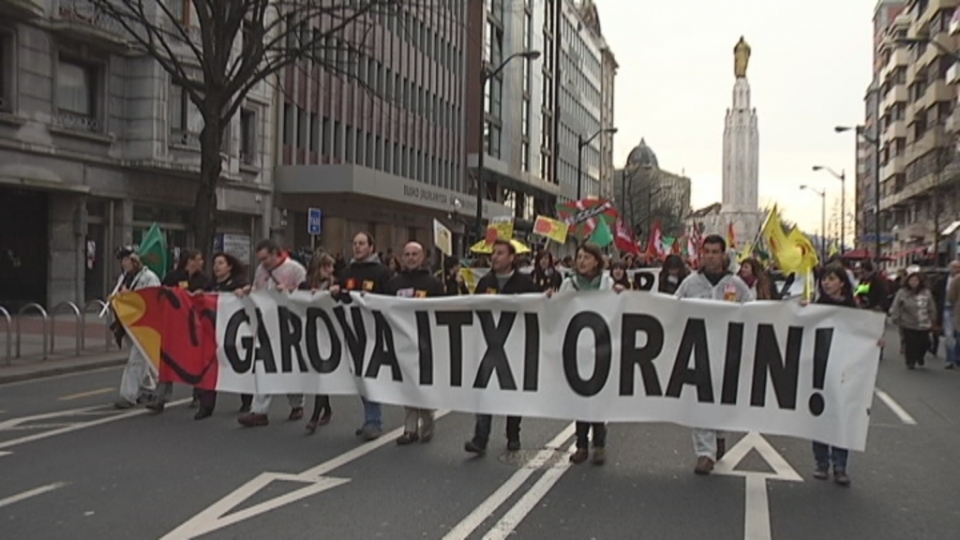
[{"x": 24, "y": 247}]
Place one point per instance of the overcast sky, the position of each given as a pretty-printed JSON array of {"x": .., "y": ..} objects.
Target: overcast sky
[{"x": 809, "y": 69}]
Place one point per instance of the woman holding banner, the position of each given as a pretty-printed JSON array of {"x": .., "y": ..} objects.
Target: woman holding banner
[
  {"x": 618, "y": 272},
  {"x": 320, "y": 278},
  {"x": 672, "y": 274},
  {"x": 545, "y": 273},
  {"x": 589, "y": 276}
]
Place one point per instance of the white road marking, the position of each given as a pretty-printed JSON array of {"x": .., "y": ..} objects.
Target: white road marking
[
  {"x": 509, "y": 522},
  {"x": 14, "y": 422},
  {"x": 217, "y": 515},
  {"x": 63, "y": 375},
  {"x": 901, "y": 413},
  {"x": 5, "y": 454},
  {"x": 508, "y": 488},
  {"x": 756, "y": 522},
  {"x": 82, "y": 395},
  {"x": 31, "y": 493}
]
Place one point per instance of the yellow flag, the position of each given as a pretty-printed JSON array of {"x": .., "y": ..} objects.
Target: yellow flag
[
  {"x": 551, "y": 228},
  {"x": 834, "y": 250},
  {"x": 808, "y": 252},
  {"x": 746, "y": 253},
  {"x": 782, "y": 249}
]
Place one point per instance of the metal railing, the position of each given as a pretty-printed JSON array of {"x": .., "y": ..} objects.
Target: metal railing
[
  {"x": 78, "y": 320},
  {"x": 46, "y": 326},
  {"x": 8, "y": 324},
  {"x": 101, "y": 306}
]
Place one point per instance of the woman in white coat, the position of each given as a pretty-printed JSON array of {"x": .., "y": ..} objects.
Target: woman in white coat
[{"x": 138, "y": 377}]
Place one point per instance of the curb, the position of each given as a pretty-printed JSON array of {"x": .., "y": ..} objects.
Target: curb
[{"x": 62, "y": 370}]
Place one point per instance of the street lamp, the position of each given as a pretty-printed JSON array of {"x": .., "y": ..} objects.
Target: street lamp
[
  {"x": 485, "y": 76},
  {"x": 581, "y": 142},
  {"x": 823, "y": 219},
  {"x": 875, "y": 142},
  {"x": 842, "y": 177}
]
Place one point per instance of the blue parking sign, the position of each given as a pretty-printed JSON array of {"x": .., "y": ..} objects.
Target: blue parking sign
[{"x": 314, "y": 220}]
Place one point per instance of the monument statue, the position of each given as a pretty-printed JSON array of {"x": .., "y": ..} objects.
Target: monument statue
[{"x": 741, "y": 57}]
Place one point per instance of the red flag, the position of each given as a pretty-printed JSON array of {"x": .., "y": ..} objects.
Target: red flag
[
  {"x": 655, "y": 242},
  {"x": 678, "y": 246},
  {"x": 624, "y": 239}
]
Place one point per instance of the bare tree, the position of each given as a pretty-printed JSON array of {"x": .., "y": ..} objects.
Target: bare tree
[{"x": 217, "y": 51}]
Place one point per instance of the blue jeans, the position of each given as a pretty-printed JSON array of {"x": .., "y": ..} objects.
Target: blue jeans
[
  {"x": 372, "y": 414},
  {"x": 826, "y": 455}
]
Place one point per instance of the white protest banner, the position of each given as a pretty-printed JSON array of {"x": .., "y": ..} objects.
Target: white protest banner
[
  {"x": 772, "y": 367},
  {"x": 643, "y": 279}
]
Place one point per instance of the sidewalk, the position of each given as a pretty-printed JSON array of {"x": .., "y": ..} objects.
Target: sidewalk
[{"x": 99, "y": 349}]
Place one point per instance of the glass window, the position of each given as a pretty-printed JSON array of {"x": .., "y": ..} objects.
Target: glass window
[
  {"x": 76, "y": 88},
  {"x": 248, "y": 135}
]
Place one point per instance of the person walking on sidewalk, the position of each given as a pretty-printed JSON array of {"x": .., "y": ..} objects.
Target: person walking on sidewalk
[
  {"x": 189, "y": 276},
  {"x": 589, "y": 276},
  {"x": 365, "y": 274},
  {"x": 714, "y": 281},
  {"x": 138, "y": 379},
  {"x": 229, "y": 275},
  {"x": 276, "y": 271},
  {"x": 415, "y": 281},
  {"x": 914, "y": 311},
  {"x": 503, "y": 278},
  {"x": 951, "y": 301}
]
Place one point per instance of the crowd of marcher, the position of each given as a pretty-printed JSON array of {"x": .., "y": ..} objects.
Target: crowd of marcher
[{"x": 919, "y": 311}]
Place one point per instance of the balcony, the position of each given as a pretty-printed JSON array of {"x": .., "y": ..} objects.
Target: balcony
[
  {"x": 935, "y": 93},
  {"x": 897, "y": 94},
  {"x": 953, "y": 74},
  {"x": 20, "y": 9},
  {"x": 83, "y": 21},
  {"x": 895, "y": 130},
  {"x": 895, "y": 165},
  {"x": 899, "y": 57},
  {"x": 912, "y": 190}
]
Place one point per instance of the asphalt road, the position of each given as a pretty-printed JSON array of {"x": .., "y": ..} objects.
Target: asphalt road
[{"x": 70, "y": 467}]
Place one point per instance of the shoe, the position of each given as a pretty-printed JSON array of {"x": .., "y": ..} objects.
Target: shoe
[
  {"x": 721, "y": 447},
  {"x": 513, "y": 445},
  {"x": 407, "y": 438},
  {"x": 599, "y": 456},
  {"x": 427, "y": 436},
  {"x": 821, "y": 473},
  {"x": 253, "y": 420},
  {"x": 474, "y": 447},
  {"x": 144, "y": 398},
  {"x": 312, "y": 426},
  {"x": 579, "y": 456},
  {"x": 156, "y": 406},
  {"x": 296, "y": 413},
  {"x": 325, "y": 417},
  {"x": 370, "y": 432},
  {"x": 704, "y": 465},
  {"x": 194, "y": 403},
  {"x": 123, "y": 404},
  {"x": 202, "y": 413},
  {"x": 841, "y": 478}
]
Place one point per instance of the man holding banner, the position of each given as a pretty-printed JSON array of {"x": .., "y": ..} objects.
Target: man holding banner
[
  {"x": 714, "y": 281},
  {"x": 503, "y": 278},
  {"x": 415, "y": 281}
]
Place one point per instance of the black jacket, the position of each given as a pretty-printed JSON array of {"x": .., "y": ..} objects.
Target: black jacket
[
  {"x": 192, "y": 283},
  {"x": 450, "y": 285},
  {"x": 366, "y": 276},
  {"x": 415, "y": 284},
  {"x": 545, "y": 281},
  {"x": 230, "y": 285},
  {"x": 519, "y": 283},
  {"x": 664, "y": 285}
]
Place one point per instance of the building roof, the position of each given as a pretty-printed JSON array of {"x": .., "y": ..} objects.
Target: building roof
[{"x": 642, "y": 156}]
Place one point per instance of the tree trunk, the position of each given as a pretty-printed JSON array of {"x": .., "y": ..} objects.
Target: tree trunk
[{"x": 205, "y": 207}]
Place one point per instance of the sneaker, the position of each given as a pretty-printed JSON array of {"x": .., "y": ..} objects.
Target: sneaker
[
  {"x": 704, "y": 465},
  {"x": 599, "y": 456},
  {"x": 513, "y": 445},
  {"x": 407, "y": 438},
  {"x": 579, "y": 456},
  {"x": 253, "y": 420},
  {"x": 841, "y": 478},
  {"x": 474, "y": 447},
  {"x": 370, "y": 432},
  {"x": 123, "y": 404},
  {"x": 296, "y": 413},
  {"x": 821, "y": 473}
]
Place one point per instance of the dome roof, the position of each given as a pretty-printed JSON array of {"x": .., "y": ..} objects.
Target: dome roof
[{"x": 642, "y": 156}]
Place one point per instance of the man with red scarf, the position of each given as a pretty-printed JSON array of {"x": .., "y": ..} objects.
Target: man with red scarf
[{"x": 275, "y": 271}]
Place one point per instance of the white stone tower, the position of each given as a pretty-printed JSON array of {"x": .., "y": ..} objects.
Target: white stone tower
[{"x": 741, "y": 152}]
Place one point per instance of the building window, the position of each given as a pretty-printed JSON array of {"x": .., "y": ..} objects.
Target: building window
[
  {"x": 351, "y": 145},
  {"x": 301, "y": 128},
  {"x": 314, "y": 133},
  {"x": 337, "y": 141},
  {"x": 6, "y": 72},
  {"x": 185, "y": 120},
  {"x": 326, "y": 136},
  {"x": 287, "y": 123},
  {"x": 77, "y": 91},
  {"x": 525, "y": 156},
  {"x": 248, "y": 136}
]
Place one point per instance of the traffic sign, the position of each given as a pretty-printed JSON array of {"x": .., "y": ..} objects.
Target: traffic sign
[{"x": 314, "y": 221}]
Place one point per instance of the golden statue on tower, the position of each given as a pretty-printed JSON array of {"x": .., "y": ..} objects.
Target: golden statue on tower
[{"x": 741, "y": 58}]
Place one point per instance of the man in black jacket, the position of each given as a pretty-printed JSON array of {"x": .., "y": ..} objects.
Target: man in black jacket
[
  {"x": 415, "y": 281},
  {"x": 503, "y": 278},
  {"x": 365, "y": 274}
]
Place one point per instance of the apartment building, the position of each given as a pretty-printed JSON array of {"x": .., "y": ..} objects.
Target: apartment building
[
  {"x": 865, "y": 211},
  {"x": 96, "y": 145},
  {"x": 917, "y": 197},
  {"x": 608, "y": 70}
]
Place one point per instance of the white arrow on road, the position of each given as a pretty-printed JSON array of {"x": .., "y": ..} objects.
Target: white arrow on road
[
  {"x": 756, "y": 524},
  {"x": 217, "y": 516}
]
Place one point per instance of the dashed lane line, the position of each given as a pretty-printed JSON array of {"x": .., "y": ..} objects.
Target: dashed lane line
[{"x": 892, "y": 404}]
